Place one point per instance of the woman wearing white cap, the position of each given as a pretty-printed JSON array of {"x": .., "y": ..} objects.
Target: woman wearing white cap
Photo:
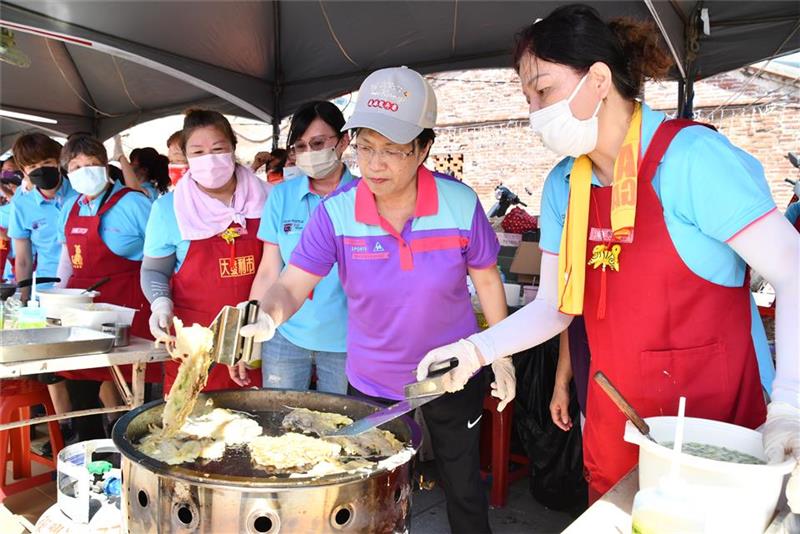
[{"x": 404, "y": 240}]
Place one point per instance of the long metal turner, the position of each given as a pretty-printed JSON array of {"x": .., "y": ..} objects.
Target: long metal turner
[
  {"x": 624, "y": 406},
  {"x": 229, "y": 345},
  {"x": 417, "y": 394}
]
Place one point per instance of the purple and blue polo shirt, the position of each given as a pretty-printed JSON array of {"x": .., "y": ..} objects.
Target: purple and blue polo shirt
[{"x": 406, "y": 292}]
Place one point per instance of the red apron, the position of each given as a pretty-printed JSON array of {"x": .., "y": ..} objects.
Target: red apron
[
  {"x": 666, "y": 332},
  {"x": 215, "y": 274},
  {"x": 5, "y": 250},
  {"x": 92, "y": 260}
]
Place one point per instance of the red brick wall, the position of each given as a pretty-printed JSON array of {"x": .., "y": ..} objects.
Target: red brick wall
[{"x": 483, "y": 115}]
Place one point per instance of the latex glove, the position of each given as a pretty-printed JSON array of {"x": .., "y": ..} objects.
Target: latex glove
[
  {"x": 160, "y": 319},
  {"x": 782, "y": 441},
  {"x": 793, "y": 490},
  {"x": 261, "y": 330},
  {"x": 117, "y": 152},
  {"x": 504, "y": 386},
  {"x": 559, "y": 407},
  {"x": 469, "y": 362}
]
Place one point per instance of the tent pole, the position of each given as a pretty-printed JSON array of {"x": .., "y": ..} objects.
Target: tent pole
[
  {"x": 688, "y": 103},
  {"x": 692, "y": 46},
  {"x": 665, "y": 34},
  {"x": 278, "y": 75}
]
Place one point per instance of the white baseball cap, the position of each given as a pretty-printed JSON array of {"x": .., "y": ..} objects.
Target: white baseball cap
[{"x": 397, "y": 102}]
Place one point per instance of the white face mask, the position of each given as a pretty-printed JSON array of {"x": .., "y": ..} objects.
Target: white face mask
[
  {"x": 291, "y": 172},
  {"x": 317, "y": 163},
  {"x": 89, "y": 181},
  {"x": 561, "y": 131}
]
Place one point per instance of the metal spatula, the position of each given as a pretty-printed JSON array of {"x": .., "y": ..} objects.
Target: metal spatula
[
  {"x": 417, "y": 394},
  {"x": 229, "y": 346}
]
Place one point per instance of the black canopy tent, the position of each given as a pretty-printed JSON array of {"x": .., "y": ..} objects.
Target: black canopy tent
[{"x": 103, "y": 67}]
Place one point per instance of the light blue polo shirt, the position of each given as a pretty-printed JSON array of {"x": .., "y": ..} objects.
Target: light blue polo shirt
[
  {"x": 162, "y": 236},
  {"x": 321, "y": 322},
  {"x": 150, "y": 189},
  {"x": 709, "y": 190},
  {"x": 36, "y": 218},
  {"x": 793, "y": 212},
  {"x": 121, "y": 228}
]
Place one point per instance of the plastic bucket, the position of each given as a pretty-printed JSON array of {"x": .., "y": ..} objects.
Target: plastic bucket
[{"x": 740, "y": 497}]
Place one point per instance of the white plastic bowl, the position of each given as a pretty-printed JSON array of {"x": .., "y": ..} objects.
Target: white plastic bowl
[
  {"x": 93, "y": 315},
  {"x": 55, "y": 300},
  {"x": 740, "y": 497}
]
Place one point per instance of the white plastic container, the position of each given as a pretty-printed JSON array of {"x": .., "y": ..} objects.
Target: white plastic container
[
  {"x": 512, "y": 294},
  {"x": 55, "y": 300},
  {"x": 94, "y": 315},
  {"x": 741, "y": 498}
]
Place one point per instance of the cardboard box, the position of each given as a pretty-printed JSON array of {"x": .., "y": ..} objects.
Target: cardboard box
[
  {"x": 527, "y": 262},
  {"x": 509, "y": 240}
]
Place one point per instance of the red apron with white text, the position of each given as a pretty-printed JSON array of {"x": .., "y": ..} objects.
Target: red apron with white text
[
  {"x": 215, "y": 274},
  {"x": 92, "y": 261},
  {"x": 666, "y": 333}
]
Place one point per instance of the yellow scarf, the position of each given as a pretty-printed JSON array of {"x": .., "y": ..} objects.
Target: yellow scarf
[{"x": 572, "y": 252}]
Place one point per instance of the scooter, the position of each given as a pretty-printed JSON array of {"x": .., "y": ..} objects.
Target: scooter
[{"x": 505, "y": 199}]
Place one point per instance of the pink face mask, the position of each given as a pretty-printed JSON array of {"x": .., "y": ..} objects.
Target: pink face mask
[{"x": 212, "y": 171}]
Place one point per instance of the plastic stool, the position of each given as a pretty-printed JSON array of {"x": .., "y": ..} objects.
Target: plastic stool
[
  {"x": 496, "y": 454},
  {"x": 17, "y": 397}
]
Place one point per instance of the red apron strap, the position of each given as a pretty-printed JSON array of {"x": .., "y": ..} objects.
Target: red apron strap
[
  {"x": 664, "y": 135},
  {"x": 75, "y": 211},
  {"x": 112, "y": 201}
]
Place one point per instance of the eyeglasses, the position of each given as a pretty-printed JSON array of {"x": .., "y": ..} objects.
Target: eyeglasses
[
  {"x": 366, "y": 154},
  {"x": 315, "y": 143}
]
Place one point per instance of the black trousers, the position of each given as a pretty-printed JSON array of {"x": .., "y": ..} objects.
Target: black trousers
[
  {"x": 83, "y": 396},
  {"x": 454, "y": 424}
]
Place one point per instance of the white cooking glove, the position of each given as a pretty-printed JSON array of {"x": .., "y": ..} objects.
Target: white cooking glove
[
  {"x": 160, "y": 319},
  {"x": 781, "y": 441},
  {"x": 262, "y": 330},
  {"x": 793, "y": 490},
  {"x": 118, "y": 152},
  {"x": 504, "y": 386},
  {"x": 469, "y": 361}
]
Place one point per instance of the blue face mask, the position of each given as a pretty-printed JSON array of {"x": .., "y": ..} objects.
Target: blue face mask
[
  {"x": 291, "y": 172},
  {"x": 89, "y": 181}
]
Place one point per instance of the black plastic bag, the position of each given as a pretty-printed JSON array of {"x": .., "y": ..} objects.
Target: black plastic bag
[{"x": 556, "y": 457}]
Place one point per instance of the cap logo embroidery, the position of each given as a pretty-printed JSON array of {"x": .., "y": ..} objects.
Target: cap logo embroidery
[
  {"x": 389, "y": 90},
  {"x": 382, "y": 104}
]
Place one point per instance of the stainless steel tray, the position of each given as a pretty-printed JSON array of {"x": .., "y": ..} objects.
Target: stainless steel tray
[{"x": 52, "y": 342}]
